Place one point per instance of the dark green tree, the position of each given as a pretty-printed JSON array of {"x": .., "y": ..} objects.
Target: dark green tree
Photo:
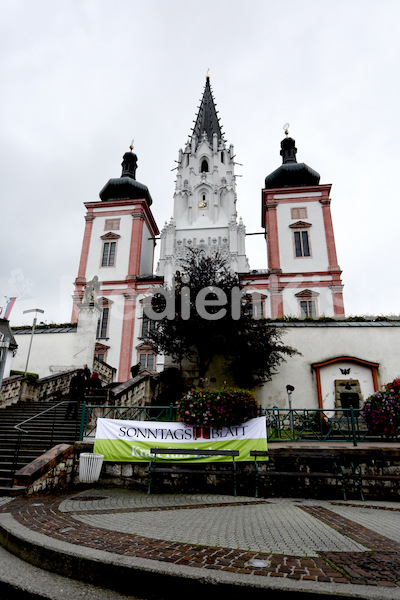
[{"x": 212, "y": 316}]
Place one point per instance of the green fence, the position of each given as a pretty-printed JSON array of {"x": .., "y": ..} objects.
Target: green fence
[
  {"x": 91, "y": 412},
  {"x": 283, "y": 425},
  {"x": 304, "y": 425}
]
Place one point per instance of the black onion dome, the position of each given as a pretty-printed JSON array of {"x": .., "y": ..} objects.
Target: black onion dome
[
  {"x": 126, "y": 187},
  {"x": 291, "y": 173}
]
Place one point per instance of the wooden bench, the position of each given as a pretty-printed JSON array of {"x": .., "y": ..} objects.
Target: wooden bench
[
  {"x": 337, "y": 472},
  {"x": 163, "y": 467}
]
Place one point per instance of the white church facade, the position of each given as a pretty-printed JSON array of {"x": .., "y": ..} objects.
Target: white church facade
[{"x": 300, "y": 289}]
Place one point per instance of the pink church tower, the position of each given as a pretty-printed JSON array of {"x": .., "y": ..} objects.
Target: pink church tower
[
  {"x": 118, "y": 249},
  {"x": 304, "y": 277}
]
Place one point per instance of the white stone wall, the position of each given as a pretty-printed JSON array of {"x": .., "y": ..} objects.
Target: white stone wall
[
  {"x": 379, "y": 344},
  {"x": 51, "y": 352}
]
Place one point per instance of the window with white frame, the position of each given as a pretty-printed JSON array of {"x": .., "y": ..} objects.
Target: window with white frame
[
  {"x": 301, "y": 239},
  {"x": 301, "y": 243},
  {"x": 109, "y": 249},
  {"x": 257, "y": 304},
  {"x": 102, "y": 324},
  {"x": 308, "y": 308},
  {"x": 148, "y": 325},
  {"x": 147, "y": 360},
  {"x": 108, "y": 255},
  {"x": 100, "y": 351},
  {"x": 308, "y": 304},
  {"x": 104, "y": 319}
]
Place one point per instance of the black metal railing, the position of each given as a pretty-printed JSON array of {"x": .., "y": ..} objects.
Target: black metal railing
[
  {"x": 47, "y": 440},
  {"x": 91, "y": 412},
  {"x": 305, "y": 425},
  {"x": 283, "y": 425}
]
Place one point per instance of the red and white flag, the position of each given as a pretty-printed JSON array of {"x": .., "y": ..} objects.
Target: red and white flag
[{"x": 10, "y": 303}]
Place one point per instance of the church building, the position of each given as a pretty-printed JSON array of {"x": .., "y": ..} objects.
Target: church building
[
  {"x": 299, "y": 289},
  {"x": 302, "y": 277},
  {"x": 301, "y": 280}
]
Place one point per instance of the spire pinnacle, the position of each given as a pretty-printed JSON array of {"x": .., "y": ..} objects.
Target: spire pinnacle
[{"x": 207, "y": 121}]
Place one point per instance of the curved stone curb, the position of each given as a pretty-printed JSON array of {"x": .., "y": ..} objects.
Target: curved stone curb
[{"x": 144, "y": 577}]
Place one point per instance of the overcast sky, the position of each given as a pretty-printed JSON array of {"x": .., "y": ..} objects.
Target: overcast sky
[{"x": 81, "y": 78}]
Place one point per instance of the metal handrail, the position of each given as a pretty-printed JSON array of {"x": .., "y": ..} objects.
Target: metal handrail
[
  {"x": 22, "y": 431},
  {"x": 18, "y": 426}
]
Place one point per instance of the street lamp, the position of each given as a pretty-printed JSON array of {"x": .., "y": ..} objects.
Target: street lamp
[
  {"x": 290, "y": 389},
  {"x": 35, "y": 310}
]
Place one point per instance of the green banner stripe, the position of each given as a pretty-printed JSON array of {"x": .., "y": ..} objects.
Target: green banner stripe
[{"x": 134, "y": 451}]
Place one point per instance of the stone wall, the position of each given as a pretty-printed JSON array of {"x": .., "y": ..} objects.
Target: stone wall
[
  {"x": 106, "y": 373},
  {"x": 372, "y": 461},
  {"x": 19, "y": 388},
  {"x": 58, "y": 469},
  {"x": 51, "y": 471}
]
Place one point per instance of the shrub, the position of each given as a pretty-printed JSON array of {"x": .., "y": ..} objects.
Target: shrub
[
  {"x": 382, "y": 411},
  {"x": 206, "y": 407}
]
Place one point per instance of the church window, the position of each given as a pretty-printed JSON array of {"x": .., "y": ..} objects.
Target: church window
[
  {"x": 100, "y": 351},
  {"x": 147, "y": 361},
  {"x": 222, "y": 157},
  {"x": 112, "y": 224},
  {"x": 147, "y": 326},
  {"x": 108, "y": 255},
  {"x": 301, "y": 243},
  {"x": 308, "y": 308},
  {"x": 298, "y": 212},
  {"x": 204, "y": 166},
  {"x": 102, "y": 325},
  {"x": 256, "y": 304},
  {"x": 308, "y": 303}
]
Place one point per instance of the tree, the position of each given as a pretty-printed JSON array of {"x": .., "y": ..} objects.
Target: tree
[{"x": 207, "y": 313}]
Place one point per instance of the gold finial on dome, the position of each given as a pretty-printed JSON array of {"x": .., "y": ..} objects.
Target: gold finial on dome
[
  {"x": 131, "y": 146},
  {"x": 286, "y": 128},
  {"x": 208, "y": 73}
]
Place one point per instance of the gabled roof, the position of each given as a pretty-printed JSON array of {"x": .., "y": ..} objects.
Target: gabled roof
[{"x": 207, "y": 120}]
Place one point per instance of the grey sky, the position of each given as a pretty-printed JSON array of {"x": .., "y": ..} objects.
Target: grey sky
[{"x": 80, "y": 79}]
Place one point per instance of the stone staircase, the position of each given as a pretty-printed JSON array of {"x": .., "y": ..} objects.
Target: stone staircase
[{"x": 44, "y": 426}]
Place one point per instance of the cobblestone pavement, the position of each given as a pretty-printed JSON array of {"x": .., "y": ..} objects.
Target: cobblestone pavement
[{"x": 321, "y": 541}]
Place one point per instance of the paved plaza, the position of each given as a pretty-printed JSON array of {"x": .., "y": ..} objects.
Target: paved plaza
[{"x": 335, "y": 548}]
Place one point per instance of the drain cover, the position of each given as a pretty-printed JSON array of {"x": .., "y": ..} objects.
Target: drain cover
[{"x": 258, "y": 563}]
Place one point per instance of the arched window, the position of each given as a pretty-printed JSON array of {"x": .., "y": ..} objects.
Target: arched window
[{"x": 204, "y": 166}]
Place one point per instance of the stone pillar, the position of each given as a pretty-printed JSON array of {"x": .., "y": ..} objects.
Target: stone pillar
[{"x": 85, "y": 339}]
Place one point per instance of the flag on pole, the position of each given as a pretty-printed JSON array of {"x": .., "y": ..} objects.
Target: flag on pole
[{"x": 8, "y": 307}]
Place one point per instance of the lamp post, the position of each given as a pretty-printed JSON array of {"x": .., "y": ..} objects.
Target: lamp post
[
  {"x": 290, "y": 389},
  {"x": 35, "y": 310}
]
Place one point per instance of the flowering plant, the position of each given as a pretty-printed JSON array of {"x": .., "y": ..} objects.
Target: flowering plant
[
  {"x": 382, "y": 411},
  {"x": 206, "y": 407}
]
